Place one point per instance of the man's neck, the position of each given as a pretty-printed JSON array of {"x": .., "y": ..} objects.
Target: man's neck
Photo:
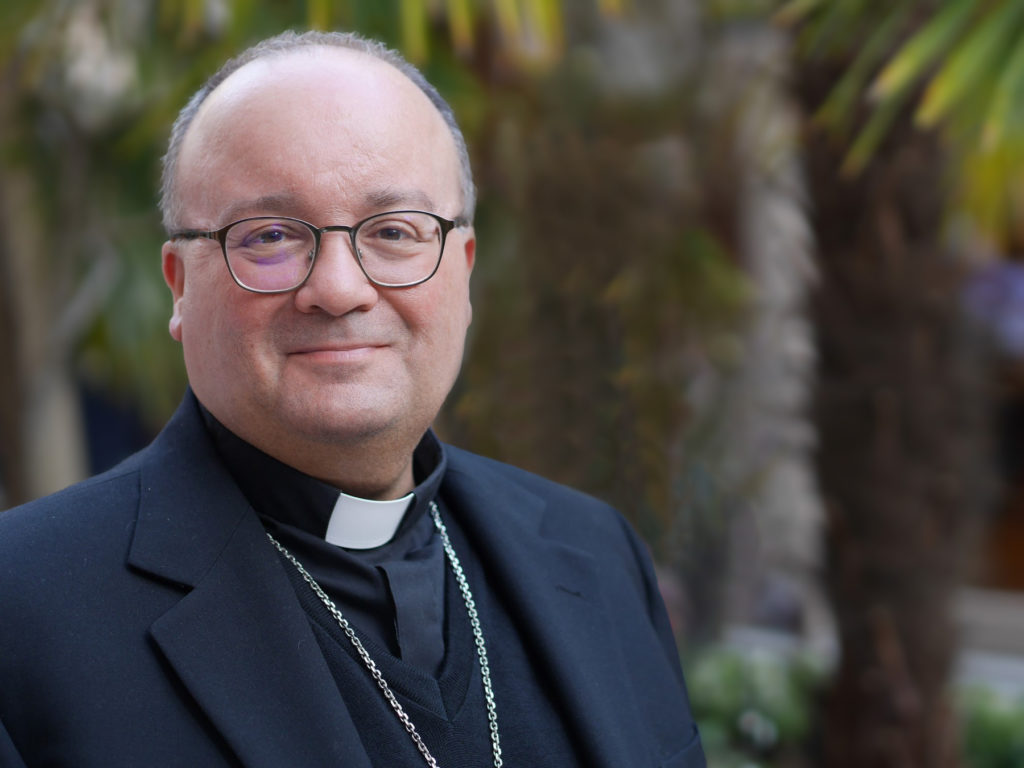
[
  {"x": 379, "y": 475},
  {"x": 377, "y": 466},
  {"x": 291, "y": 495}
]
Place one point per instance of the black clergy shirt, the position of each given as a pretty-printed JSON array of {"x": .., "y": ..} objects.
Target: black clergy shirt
[{"x": 393, "y": 593}]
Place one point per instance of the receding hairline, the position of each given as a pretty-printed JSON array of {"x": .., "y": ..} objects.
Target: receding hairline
[
  {"x": 265, "y": 73},
  {"x": 310, "y": 43},
  {"x": 307, "y": 52}
]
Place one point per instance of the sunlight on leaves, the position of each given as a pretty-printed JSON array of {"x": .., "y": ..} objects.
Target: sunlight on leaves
[{"x": 922, "y": 50}]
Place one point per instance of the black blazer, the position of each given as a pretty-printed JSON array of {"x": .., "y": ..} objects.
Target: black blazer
[{"x": 145, "y": 620}]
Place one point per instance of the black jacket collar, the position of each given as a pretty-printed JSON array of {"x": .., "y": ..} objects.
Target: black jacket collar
[{"x": 241, "y": 644}]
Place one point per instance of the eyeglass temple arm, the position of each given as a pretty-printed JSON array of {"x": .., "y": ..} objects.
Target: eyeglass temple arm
[{"x": 193, "y": 234}]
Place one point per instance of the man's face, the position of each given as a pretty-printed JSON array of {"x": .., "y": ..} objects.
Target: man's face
[{"x": 331, "y": 137}]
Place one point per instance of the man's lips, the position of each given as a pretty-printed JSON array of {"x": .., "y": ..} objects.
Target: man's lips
[{"x": 347, "y": 351}]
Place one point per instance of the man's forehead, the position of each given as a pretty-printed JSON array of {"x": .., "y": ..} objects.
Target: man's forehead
[
  {"x": 344, "y": 118},
  {"x": 295, "y": 203},
  {"x": 323, "y": 69}
]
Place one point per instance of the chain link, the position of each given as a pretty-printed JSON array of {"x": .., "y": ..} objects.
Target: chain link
[
  {"x": 371, "y": 665},
  {"x": 478, "y": 633}
]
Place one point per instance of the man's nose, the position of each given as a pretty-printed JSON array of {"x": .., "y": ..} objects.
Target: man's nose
[{"x": 337, "y": 284}]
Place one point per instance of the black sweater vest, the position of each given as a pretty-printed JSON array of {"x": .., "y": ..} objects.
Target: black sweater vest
[{"x": 449, "y": 711}]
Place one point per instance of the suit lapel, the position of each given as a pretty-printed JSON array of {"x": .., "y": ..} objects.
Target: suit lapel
[
  {"x": 551, "y": 590},
  {"x": 238, "y": 640},
  {"x": 241, "y": 644}
]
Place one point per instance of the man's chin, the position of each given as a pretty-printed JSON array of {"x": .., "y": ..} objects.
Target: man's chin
[{"x": 342, "y": 422}]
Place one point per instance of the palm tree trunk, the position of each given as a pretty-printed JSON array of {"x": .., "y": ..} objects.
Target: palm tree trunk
[{"x": 898, "y": 415}]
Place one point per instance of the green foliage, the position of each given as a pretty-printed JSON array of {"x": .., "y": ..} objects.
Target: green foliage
[
  {"x": 993, "y": 729},
  {"x": 754, "y": 709},
  {"x": 919, "y": 53},
  {"x": 687, "y": 294},
  {"x": 958, "y": 64}
]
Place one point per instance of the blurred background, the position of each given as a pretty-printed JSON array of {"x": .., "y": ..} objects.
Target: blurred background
[{"x": 750, "y": 270}]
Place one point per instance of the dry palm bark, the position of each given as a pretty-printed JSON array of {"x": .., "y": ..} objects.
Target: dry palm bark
[{"x": 898, "y": 417}]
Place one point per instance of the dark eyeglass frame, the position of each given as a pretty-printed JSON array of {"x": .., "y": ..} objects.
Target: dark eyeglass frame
[{"x": 220, "y": 235}]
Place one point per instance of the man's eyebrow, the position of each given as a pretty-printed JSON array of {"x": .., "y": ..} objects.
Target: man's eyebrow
[
  {"x": 264, "y": 204},
  {"x": 400, "y": 198},
  {"x": 383, "y": 200}
]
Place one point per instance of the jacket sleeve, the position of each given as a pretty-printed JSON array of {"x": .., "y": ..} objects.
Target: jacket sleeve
[
  {"x": 9, "y": 757},
  {"x": 654, "y": 602}
]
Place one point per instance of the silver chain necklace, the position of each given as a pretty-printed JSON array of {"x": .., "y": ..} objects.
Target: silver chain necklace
[{"x": 371, "y": 665}]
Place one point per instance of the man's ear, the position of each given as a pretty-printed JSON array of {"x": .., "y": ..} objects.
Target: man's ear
[
  {"x": 174, "y": 276},
  {"x": 469, "y": 252},
  {"x": 469, "y": 249}
]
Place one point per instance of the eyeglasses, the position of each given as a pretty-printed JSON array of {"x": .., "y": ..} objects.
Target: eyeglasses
[{"x": 276, "y": 254}]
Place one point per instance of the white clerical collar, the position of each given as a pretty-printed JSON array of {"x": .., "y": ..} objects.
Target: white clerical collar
[{"x": 363, "y": 523}]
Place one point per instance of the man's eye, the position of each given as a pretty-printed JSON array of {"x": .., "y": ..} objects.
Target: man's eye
[
  {"x": 267, "y": 236},
  {"x": 392, "y": 233},
  {"x": 273, "y": 236}
]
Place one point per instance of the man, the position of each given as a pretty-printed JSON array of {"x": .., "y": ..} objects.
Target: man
[{"x": 296, "y": 572}]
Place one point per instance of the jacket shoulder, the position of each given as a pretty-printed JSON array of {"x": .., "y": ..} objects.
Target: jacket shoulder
[
  {"x": 86, "y": 510},
  {"x": 74, "y": 510},
  {"x": 461, "y": 461},
  {"x": 571, "y": 514}
]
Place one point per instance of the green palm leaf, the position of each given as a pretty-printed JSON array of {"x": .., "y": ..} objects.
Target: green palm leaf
[
  {"x": 837, "y": 111},
  {"x": 971, "y": 63},
  {"x": 921, "y": 51},
  {"x": 1006, "y": 110}
]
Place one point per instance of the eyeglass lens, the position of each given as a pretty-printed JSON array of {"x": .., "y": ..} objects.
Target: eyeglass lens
[{"x": 273, "y": 254}]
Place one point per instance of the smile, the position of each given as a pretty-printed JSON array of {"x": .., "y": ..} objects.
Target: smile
[{"x": 345, "y": 353}]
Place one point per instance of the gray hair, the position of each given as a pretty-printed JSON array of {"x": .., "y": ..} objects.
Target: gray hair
[{"x": 170, "y": 205}]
